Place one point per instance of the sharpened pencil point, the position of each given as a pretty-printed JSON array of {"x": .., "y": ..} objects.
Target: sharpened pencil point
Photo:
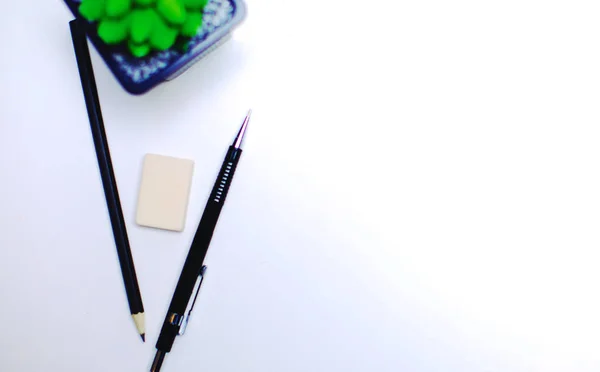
[
  {"x": 240, "y": 137},
  {"x": 140, "y": 324}
]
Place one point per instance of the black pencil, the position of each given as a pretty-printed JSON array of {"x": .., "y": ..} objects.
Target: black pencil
[
  {"x": 90, "y": 92},
  {"x": 192, "y": 274}
]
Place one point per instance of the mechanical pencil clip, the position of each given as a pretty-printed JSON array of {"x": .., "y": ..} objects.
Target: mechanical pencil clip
[{"x": 188, "y": 311}]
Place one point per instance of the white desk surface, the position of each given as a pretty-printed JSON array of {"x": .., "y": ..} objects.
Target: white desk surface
[{"x": 419, "y": 191}]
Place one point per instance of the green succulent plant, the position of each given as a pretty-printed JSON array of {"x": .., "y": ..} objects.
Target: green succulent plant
[{"x": 144, "y": 25}]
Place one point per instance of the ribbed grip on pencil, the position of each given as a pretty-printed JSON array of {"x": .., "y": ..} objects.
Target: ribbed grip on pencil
[{"x": 221, "y": 188}]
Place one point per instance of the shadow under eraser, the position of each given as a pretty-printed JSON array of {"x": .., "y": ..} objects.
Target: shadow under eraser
[{"x": 164, "y": 192}]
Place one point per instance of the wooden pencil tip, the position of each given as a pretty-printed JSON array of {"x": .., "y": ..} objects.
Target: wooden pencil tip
[{"x": 140, "y": 324}]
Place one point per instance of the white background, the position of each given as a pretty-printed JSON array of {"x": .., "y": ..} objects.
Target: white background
[{"x": 419, "y": 191}]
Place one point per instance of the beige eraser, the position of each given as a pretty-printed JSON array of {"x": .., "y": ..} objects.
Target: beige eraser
[{"x": 164, "y": 192}]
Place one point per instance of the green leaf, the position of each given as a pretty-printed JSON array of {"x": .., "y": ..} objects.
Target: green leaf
[
  {"x": 172, "y": 10},
  {"x": 92, "y": 10},
  {"x": 117, "y": 8},
  {"x": 144, "y": 2},
  {"x": 142, "y": 23},
  {"x": 162, "y": 36},
  {"x": 195, "y": 4},
  {"x": 139, "y": 50},
  {"x": 191, "y": 25},
  {"x": 114, "y": 31}
]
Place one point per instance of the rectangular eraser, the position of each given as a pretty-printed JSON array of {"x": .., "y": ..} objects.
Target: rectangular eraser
[{"x": 164, "y": 192}]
